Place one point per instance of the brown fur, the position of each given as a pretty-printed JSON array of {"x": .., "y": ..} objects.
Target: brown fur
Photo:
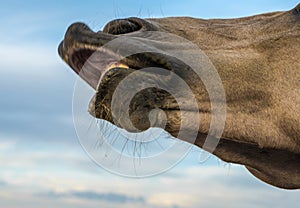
[{"x": 258, "y": 60}]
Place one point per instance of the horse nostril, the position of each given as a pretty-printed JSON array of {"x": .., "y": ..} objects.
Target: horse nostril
[{"x": 121, "y": 26}]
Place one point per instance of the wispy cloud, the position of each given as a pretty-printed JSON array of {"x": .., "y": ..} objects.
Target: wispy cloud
[
  {"x": 192, "y": 186},
  {"x": 30, "y": 59},
  {"x": 2, "y": 183},
  {"x": 7, "y": 144},
  {"x": 92, "y": 195}
]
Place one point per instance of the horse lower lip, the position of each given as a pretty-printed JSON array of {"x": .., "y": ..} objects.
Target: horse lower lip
[{"x": 112, "y": 66}]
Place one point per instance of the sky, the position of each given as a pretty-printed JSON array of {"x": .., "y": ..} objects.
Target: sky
[{"x": 41, "y": 160}]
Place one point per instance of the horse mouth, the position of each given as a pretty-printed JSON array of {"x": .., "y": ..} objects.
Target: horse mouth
[{"x": 92, "y": 64}]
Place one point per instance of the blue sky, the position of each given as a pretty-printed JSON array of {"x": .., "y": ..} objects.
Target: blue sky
[{"x": 41, "y": 160}]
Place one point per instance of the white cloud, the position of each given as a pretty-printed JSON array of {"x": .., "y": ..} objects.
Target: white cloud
[
  {"x": 7, "y": 145},
  {"x": 26, "y": 46},
  {"x": 62, "y": 168},
  {"x": 191, "y": 186},
  {"x": 28, "y": 58}
]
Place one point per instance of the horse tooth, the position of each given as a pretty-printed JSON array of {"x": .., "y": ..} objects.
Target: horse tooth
[{"x": 118, "y": 65}]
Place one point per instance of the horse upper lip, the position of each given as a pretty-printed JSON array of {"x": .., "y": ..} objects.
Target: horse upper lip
[
  {"x": 79, "y": 36},
  {"x": 80, "y": 45}
]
